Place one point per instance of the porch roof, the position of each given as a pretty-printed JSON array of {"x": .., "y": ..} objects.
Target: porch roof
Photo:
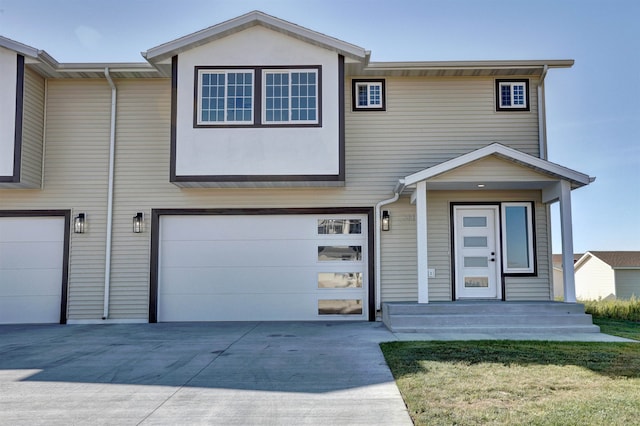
[{"x": 548, "y": 171}]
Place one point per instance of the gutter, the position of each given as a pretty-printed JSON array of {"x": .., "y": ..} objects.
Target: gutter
[
  {"x": 377, "y": 232},
  {"x": 109, "y": 236},
  {"x": 542, "y": 116}
]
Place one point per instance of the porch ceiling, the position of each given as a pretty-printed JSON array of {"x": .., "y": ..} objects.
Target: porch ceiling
[{"x": 486, "y": 185}]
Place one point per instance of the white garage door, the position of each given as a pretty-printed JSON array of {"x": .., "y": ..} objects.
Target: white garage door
[
  {"x": 257, "y": 267},
  {"x": 31, "y": 256}
]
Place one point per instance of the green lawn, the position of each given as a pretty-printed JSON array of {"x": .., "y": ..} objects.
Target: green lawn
[
  {"x": 520, "y": 382},
  {"x": 628, "y": 329}
]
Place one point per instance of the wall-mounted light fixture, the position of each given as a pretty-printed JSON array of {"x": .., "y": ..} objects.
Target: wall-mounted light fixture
[
  {"x": 386, "y": 220},
  {"x": 79, "y": 223},
  {"x": 138, "y": 221}
]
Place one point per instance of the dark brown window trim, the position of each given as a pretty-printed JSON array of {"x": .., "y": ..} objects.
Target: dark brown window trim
[
  {"x": 527, "y": 107},
  {"x": 257, "y": 96},
  {"x": 354, "y": 94},
  {"x": 65, "y": 250},
  {"x": 17, "y": 135},
  {"x": 533, "y": 242},
  {"x": 156, "y": 214},
  {"x": 256, "y": 178},
  {"x": 340, "y": 177}
]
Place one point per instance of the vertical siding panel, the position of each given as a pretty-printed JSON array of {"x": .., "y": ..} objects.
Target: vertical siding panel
[{"x": 32, "y": 130}]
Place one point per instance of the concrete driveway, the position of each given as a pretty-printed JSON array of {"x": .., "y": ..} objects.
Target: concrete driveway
[{"x": 198, "y": 373}]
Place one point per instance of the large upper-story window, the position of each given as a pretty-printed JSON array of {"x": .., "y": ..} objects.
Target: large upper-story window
[
  {"x": 258, "y": 96},
  {"x": 290, "y": 96},
  {"x": 512, "y": 95},
  {"x": 225, "y": 97}
]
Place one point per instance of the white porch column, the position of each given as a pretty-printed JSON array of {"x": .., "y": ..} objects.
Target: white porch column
[
  {"x": 567, "y": 242},
  {"x": 421, "y": 228}
]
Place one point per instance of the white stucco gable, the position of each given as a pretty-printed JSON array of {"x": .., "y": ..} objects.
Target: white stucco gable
[{"x": 164, "y": 52}]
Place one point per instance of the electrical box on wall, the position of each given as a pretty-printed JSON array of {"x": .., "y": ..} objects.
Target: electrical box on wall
[{"x": 431, "y": 273}]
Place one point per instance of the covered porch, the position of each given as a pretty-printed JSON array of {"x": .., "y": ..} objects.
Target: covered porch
[{"x": 492, "y": 171}]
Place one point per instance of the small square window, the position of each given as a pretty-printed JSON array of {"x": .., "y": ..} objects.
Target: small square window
[
  {"x": 512, "y": 95},
  {"x": 368, "y": 95}
]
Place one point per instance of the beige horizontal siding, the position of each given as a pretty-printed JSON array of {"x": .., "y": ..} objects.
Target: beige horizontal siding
[
  {"x": 75, "y": 178},
  {"x": 427, "y": 121},
  {"x": 398, "y": 254}
]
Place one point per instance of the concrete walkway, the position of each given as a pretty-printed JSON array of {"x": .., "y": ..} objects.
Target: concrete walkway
[{"x": 252, "y": 373}]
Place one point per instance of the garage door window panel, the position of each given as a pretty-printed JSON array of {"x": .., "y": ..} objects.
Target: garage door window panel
[
  {"x": 339, "y": 226},
  {"x": 340, "y": 307},
  {"x": 339, "y": 253},
  {"x": 339, "y": 280}
]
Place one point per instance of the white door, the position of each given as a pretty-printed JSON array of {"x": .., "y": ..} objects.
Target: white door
[
  {"x": 476, "y": 252},
  {"x": 262, "y": 267},
  {"x": 31, "y": 259}
]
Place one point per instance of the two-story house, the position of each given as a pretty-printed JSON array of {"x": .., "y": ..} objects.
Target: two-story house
[{"x": 258, "y": 170}]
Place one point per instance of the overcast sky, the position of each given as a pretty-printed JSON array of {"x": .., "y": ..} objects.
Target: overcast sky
[{"x": 593, "y": 109}]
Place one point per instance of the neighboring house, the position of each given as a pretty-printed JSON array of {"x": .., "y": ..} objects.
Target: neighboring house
[
  {"x": 608, "y": 275},
  {"x": 558, "y": 276},
  {"x": 258, "y": 170}
]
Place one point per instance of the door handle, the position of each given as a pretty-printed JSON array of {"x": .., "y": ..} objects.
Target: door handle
[{"x": 493, "y": 260}]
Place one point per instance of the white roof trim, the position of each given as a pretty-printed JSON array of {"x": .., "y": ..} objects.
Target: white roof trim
[
  {"x": 480, "y": 65},
  {"x": 20, "y": 48},
  {"x": 174, "y": 47},
  {"x": 577, "y": 178}
]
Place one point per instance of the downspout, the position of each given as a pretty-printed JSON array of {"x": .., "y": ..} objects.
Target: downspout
[
  {"x": 44, "y": 131},
  {"x": 112, "y": 154},
  {"x": 377, "y": 232},
  {"x": 542, "y": 116}
]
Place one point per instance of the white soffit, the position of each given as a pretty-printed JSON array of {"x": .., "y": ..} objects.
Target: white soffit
[{"x": 577, "y": 179}]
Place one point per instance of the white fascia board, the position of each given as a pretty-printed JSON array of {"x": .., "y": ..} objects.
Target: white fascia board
[
  {"x": 507, "y": 153},
  {"x": 171, "y": 48},
  {"x": 447, "y": 65},
  {"x": 20, "y": 48}
]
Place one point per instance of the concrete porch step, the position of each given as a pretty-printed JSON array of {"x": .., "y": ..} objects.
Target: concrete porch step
[
  {"x": 445, "y": 331},
  {"x": 487, "y": 317},
  {"x": 480, "y": 307},
  {"x": 470, "y": 320}
]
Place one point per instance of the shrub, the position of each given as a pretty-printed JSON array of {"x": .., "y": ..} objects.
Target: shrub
[{"x": 628, "y": 310}]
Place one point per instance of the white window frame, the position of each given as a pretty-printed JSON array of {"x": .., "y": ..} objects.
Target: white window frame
[
  {"x": 530, "y": 238},
  {"x": 511, "y": 84},
  {"x": 369, "y": 85},
  {"x": 290, "y": 121},
  {"x": 226, "y": 72}
]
